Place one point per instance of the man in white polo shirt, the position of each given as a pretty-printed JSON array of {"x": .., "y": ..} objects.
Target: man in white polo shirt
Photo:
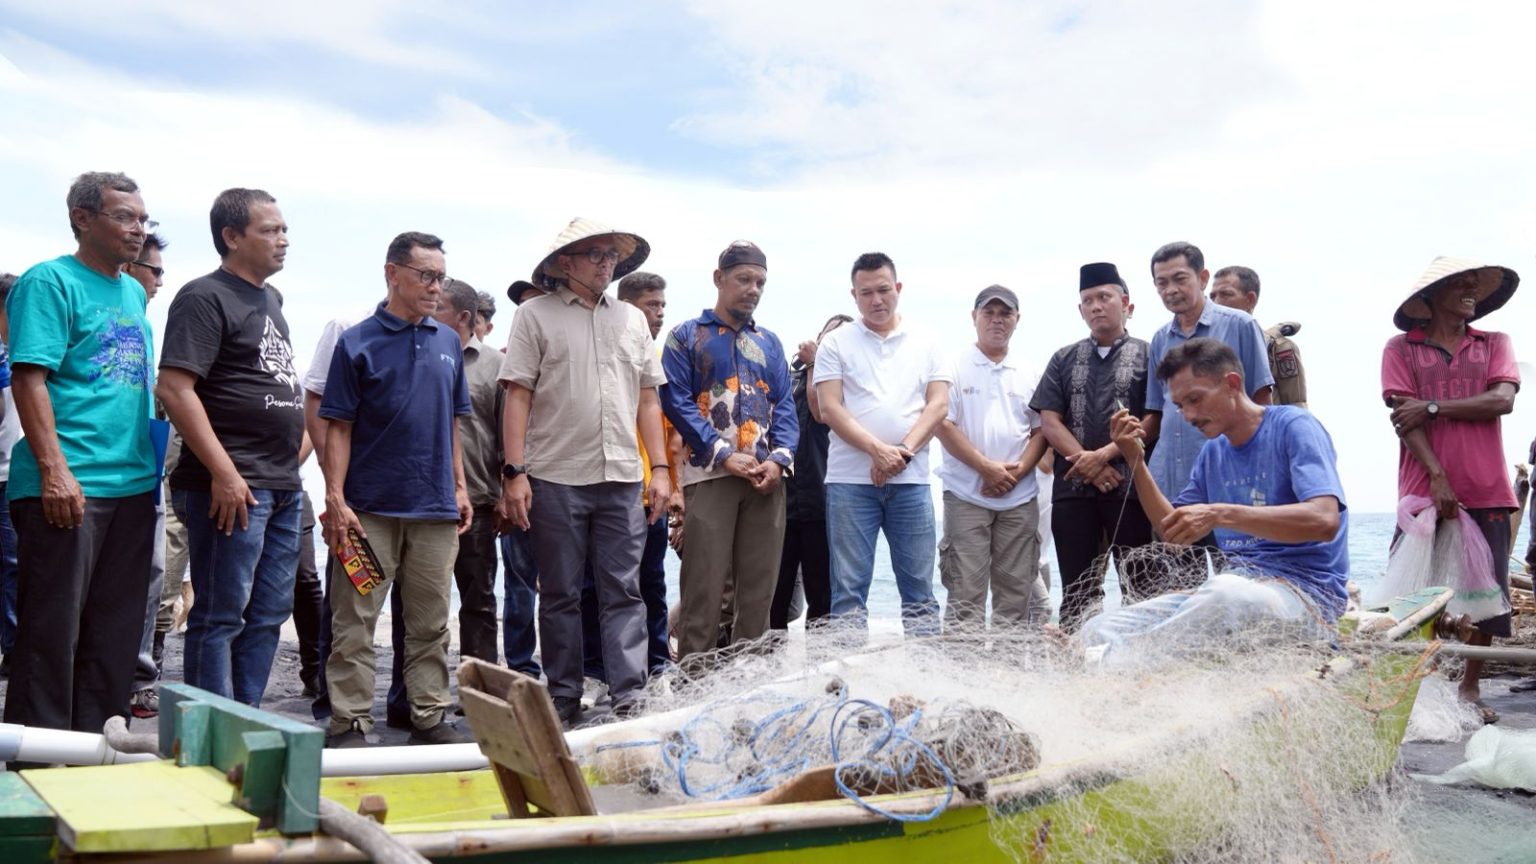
[
  {"x": 883, "y": 390},
  {"x": 991, "y": 517}
]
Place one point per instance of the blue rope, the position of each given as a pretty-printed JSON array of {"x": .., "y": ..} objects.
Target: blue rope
[{"x": 887, "y": 749}]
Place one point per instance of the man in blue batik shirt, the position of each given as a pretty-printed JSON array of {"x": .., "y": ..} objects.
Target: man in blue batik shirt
[
  {"x": 728, "y": 394},
  {"x": 1178, "y": 271}
]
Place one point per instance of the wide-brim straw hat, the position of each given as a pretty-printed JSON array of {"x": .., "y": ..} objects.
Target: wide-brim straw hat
[
  {"x": 1495, "y": 285},
  {"x": 633, "y": 250}
]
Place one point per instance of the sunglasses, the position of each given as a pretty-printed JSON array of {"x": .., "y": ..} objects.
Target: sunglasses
[{"x": 158, "y": 271}]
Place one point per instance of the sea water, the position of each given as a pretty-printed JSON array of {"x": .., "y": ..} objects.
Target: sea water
[{"x": 1370, "y": 538}]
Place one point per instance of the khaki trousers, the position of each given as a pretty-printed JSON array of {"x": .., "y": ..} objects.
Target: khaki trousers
[
  {"x": 996, "y": 549},
  {"x": 732, "y": 534},
  {"x": 418, "y": 556}
]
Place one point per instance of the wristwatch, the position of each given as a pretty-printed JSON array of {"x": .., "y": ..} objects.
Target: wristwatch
[
  {"x": 511, "y": 472},
  {"x": 1433, "y": 409}
]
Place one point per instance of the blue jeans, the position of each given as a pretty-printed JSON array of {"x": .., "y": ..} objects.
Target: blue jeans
[
  {"x": 653, "y": 587},
  {"x": 8, "y": 575},
  {"x": 244, "y": 588},
  {"x": 856, "y": 512},
  {"x": 520, "y": 582}
]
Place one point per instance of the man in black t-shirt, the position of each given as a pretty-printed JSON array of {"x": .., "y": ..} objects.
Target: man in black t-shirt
[{"x": 227, "y": 380}]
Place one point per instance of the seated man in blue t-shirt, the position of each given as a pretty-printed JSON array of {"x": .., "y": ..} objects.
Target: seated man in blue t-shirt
[{"x": 1267, "y": 484}]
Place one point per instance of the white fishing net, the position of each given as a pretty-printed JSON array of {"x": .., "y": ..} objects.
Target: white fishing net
[{"x": 1250, "y": 745}]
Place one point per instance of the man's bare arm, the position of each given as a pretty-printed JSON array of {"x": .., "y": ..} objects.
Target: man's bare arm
[
  {"x": 231, "y": 495},
  {"x": 935, "y": 407},
  {"x": 63, "y": 500},
  {"x": 315, "y": 425}
]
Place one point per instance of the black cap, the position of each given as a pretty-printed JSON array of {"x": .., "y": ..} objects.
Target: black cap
[
  {"x": 742, "y": 252},
  {"x": 517, "y": 289},
  {"x": 1102, "y": 273},
  {"x": 997, "y": 292}
]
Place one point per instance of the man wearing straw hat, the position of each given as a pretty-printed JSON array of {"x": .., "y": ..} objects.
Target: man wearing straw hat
[
  {"x": 1448, "y": 384},
  {"x": 581, "y": 373}
]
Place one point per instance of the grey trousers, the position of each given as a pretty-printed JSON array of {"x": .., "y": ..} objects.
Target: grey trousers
[
  {"x": 734, "y": 539},
  {"x": 571, "y": 525},
  {"x": 992, "y": 549}
]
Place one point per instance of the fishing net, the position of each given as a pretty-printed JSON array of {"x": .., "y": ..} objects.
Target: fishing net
[
  {"x": 1431, "y": 551},
  {"x": 1227, "y": 744}
]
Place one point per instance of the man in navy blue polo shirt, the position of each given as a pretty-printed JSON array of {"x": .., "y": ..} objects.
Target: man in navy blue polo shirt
[{"x": 394, "y": 474}]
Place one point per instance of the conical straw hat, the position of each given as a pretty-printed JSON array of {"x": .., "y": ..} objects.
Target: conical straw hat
[
  {"x": 1495, "y": 285},
  {"x": 633, "y": 250}
]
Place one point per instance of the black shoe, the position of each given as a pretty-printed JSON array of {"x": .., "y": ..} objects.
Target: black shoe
[
  {"x": 353, "y": 737},
  {"x": 625, "y": 709},
  {"x": 443, "y": 733},
  {"x": 568, "y": 709}
]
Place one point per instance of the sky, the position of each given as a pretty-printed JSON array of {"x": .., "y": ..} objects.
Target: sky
[{"x": 1335, "y": 147}]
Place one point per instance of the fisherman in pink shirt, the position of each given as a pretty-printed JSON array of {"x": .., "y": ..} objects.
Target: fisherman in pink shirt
[{"x": 1448, "y": 384}]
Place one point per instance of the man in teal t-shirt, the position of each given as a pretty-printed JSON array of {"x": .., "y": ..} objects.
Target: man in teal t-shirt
[{"x": 82, "y": 479}]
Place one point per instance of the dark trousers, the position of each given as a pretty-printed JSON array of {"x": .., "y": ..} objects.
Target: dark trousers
[
  {"x": 80, "y": 612},
  {"x": 1080, "y": 527},
  {"x": 474, "y": 570},
  {"x": 308, "y": 601},
  {"x": 601, "y": 526},
  {"x": 520, "y": 594},
  {"x": 653, "y": 589},
  {"x": 805, "y": 554}
]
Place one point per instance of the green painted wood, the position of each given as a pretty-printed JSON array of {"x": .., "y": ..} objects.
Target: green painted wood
[
  {"x": 27, "y": 850},
  {"x": 22, "y": 812},
  {"x": 142, "y": 807},
  {"x": 261, "y": 784},
  {"x": 1407, "y": 604},
  {"x": 187, "y": 737},
  {"x": 282, "y": 786}
]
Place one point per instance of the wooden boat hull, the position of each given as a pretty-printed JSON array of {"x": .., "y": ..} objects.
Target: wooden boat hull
[{"x": 1064, "y": 812}]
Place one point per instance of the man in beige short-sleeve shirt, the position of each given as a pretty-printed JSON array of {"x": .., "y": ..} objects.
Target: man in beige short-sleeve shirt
[{"x": 581, "y": 374}]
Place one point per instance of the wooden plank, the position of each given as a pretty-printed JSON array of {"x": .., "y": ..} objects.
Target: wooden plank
[
  {"x": 22, "y": 812},
  {"x": 215, "y": 734},
  {"x": 261, "y": 783},
  {"x": 423, "y": 798},
  {"x": 186, "y": 738},
  {"x": 142, "y": 807},
  {"x": 514, "y": 722}
]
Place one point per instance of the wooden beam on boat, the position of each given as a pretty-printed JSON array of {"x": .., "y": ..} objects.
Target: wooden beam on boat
[
  {"x": 1512, "y": 656},
  {"x": 142, "y": 807},
  {"x": 26, "y": 822},
  {"x": 273, "y": 762}
]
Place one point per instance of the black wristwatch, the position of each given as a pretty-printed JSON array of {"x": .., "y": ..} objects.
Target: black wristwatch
[
  {"x": 1432, "y": 409},
  {"x": 512, "y": 472}
]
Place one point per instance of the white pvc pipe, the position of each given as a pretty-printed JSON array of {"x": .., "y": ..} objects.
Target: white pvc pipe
[
  {"x": 413, "y": 759},
  {"x": 56, "y": 746}
]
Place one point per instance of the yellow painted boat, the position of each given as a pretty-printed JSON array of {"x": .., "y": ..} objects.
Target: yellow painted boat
[{"x": 1088, "y": 809}]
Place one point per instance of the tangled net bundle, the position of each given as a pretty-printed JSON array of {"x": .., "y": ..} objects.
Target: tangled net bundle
[{"x": 1246, "y": 746}]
